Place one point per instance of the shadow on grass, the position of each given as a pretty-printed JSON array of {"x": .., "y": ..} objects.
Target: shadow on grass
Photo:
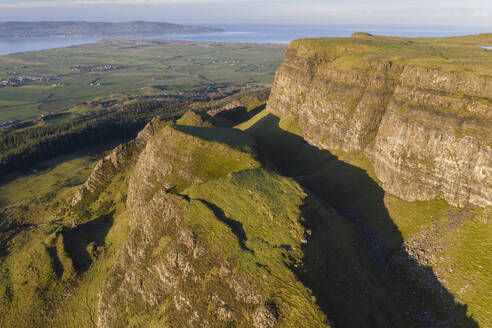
[
  {"x": 232, "y": 137},
  {"x": 235, "y": 226},
  {"x": 354, "y": 260},
  {"x": 239, "y": 114},
  {"x": 81, "y": 242}
]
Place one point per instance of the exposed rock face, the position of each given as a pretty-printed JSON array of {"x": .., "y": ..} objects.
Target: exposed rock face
[
  {"x": 164, "y": 270},
  {"x": 427, "y": 132},
  {"x": 107, "y": 167},
  {"x": 417, "y": 160}
]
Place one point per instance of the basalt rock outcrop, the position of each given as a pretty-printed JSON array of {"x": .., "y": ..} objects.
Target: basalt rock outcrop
[
  {"x": 118, "y": 159},
  {"x": 426, "y": 127},
  {"x": 170, "y": 271}
]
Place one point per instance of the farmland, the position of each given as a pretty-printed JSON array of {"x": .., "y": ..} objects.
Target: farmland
[{"x": 43, "y": 82}]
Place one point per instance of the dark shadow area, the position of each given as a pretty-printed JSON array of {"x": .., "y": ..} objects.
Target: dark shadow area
[
  {"x": 81, "y": 241},
  {"x": 56, "y": 264},
  {"x": 263, "y": 266},
  {"x": 233, "y": 114},
  {"x": 232, "y": 137},
  {"x": 354, "y": 260},
  {"x": 238, "y": 115},
  {"x": 256, "y": 110},
  {"x": 8, "y": 231},
  {"x": 235, "y": 226}
]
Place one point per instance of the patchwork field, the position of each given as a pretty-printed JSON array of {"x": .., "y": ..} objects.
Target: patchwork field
[{"x": 66, "y": 77}]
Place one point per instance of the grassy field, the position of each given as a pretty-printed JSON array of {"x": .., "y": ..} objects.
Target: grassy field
[
  {"x": 61, "y": 172},
  {"x": 37, "y": 195},
  {"x": 138, "y": 67},
  {"x": 12, "y": 103},
  {"x": 447, "y": 54}
]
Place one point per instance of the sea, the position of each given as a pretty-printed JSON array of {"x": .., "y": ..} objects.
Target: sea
[{"x": 280, "y": 34}]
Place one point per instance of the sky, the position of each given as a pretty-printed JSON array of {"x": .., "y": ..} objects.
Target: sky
[{"x": 464, "y": 13}]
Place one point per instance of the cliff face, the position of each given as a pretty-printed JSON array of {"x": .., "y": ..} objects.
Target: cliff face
[{"x": 425, "y": 128}]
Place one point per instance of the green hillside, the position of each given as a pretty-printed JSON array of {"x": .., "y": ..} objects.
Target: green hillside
[
  {"x": 314, "y": 255},
  {"x": 228, "y": 211}
]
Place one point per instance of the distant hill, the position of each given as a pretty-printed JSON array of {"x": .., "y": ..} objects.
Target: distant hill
[{"x": 45, "y": 29}]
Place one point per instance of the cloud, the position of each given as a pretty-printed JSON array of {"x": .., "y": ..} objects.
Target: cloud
[
  {"x": 321, "y": 12},
  {"x": 58, "y": 3}
]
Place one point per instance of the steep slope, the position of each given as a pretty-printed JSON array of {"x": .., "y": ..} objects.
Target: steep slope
[
  {"x": 288, "y": 220},
  {"x": 190, "y": 226},
  {"x": 149, "y": 241},
  {"x": 216, "y": 238},
  {"x": 415, "y": 116},
  {"x": 419, "y": 109},
  {"x": 402, "y": 273},
  {"x": 188, "y": 260}
]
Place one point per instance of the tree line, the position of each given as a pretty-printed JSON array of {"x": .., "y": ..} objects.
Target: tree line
[{"x": 27, "y": 147}]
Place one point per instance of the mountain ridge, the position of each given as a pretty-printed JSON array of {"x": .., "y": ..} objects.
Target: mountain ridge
[{"x": 84, "y": 28}]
